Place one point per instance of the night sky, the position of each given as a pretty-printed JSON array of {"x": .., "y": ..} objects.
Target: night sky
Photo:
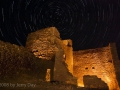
[{"x": 89, "y": 23}]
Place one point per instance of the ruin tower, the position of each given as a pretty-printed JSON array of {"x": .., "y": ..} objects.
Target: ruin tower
[
  {"x": 96, "y": 62},
  {"x": 46, "y": 43}
]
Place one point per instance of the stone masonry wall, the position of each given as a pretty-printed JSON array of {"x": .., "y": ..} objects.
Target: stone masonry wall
[
  {"x": 68, "y": 50},
  {"x": 17, "y": 64},
  {"x": 42, "y": 43},
  {"x": 97, "y": 62},
  {"x": 46, "y": 42}
]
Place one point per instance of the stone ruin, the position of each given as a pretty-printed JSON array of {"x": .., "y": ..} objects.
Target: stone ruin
[
  {"x": 48, "y": 57},
  {"x": 45, "y": 44},
  {"x": 17, "y": 64},
  {"x": 101, "y": 62}
]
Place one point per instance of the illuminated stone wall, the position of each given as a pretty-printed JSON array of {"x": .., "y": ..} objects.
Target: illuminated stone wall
[
  {"x": 46, "y": 42},
  {"x": 97, "y": 62},
  {"x": 42, "y": 43},
  {"x": 68, "y": 50}
]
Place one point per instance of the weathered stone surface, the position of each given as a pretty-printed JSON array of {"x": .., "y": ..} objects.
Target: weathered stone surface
[
  {"x": 46, "y": 42},
  {"x": 116, "y": 61},
  {"x": 97, "y": 62},
  {"x": 93, "y": 82},
  {"x": 68, "y": 54},
  {"x": 42, "y": 43},
  {"x": 61, "y": 73},
  {"x": 17, "y": 64}
]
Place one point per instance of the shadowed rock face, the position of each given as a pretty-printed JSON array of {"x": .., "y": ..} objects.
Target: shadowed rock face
[
  {"x": 18, "y": 64},
  {"x": 93, "y": 82}
]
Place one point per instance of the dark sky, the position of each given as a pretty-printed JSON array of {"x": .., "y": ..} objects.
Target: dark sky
[{"x": 89, "y": 23}]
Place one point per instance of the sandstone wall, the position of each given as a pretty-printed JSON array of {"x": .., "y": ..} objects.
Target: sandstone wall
[
  {"x": 68, "y": 54},
  {"x": 42, "y": 42},
  {"x": 46, "y": 42},
  {"x": 97, "y": 62}
]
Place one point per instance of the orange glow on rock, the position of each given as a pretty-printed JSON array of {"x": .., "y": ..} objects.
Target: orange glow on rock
[{"x": 97, "y": 62}]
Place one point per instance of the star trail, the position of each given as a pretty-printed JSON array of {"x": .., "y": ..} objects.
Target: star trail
[{"x": 89, "y": 23}]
